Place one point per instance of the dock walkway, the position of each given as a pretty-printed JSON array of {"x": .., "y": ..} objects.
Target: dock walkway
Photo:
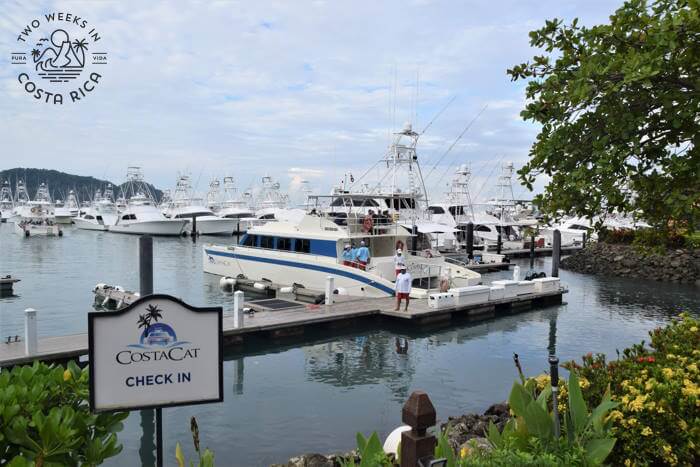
[{"x": 293, "y": 322}]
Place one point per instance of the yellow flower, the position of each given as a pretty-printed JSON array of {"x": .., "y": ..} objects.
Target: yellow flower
[
  {"x": 693, "y": 368},
  {"x": 683, "y": 425},
  {"x": 67, "y": 376},
  {"x": 668, "y": 373},
  {"x": 647, "y": 431},
  {"x": 615, "y": 415},
  {"x": 464, "y": 452},
  {"x": 628, "y": 463},
  {"x": 694, "y": 329},
  {"x": 584, "y": 383},
  {"x": 637, "y": 404}
]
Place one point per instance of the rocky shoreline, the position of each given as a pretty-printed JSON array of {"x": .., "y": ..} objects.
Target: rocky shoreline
[
  {"x": 679, "y": 266},
  {"x": 466, "y": 428}
]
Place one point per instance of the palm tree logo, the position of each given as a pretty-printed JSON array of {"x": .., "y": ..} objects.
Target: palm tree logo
[
  {"x": 80, "y": 46},
  {"x": 35, "y": 54},
  {"x": 153, "y": 313}
]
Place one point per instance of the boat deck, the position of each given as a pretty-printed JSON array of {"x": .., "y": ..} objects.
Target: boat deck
[{"x": 293, "y": 322}]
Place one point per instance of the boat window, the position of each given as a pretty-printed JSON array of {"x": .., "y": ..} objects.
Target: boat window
[
  {"x": 436, "y": 210},
  {"x": 267, "y": 216},
  {"x": 249, "y": 240},
  {"x": 302, "y": 245},
  {"x": 188, "y": 215},
  {"x": 578, "y": 227},
  {"x": 127, "y": 217},
  {"x": 266, "y": 242},
  {"x": 99, "y": 218},
  {"x": 88, "y": 216},
  {"x": 284, "y": 244},
  {"x": 482, "y": 228}
]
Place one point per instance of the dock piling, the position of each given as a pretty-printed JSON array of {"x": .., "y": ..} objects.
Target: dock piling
[
  {"x": 238, "y": 301},
  {"x": 145, "y": 265},
  {"x": 194, "y": 229},
  {"x": 30, "y": 338},
  {"x": 584, "y": 239},
  {"x": 499, "y": 243},
  {"x": 532, "y": 251},
  {"x": 556, "y": 252},
  {"x": 329, "y": 290},
  {"x": 516, "y": 273},
  {"x": 470, "y": 240}
]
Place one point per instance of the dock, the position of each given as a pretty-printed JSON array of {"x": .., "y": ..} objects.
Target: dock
[{"x": 279, "y": 319}]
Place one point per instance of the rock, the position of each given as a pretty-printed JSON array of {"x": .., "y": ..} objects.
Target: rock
[
  {"x": 478, "y": 444},
  {"x": 310, "y": 460},
  {"x": 618, "y": 258}
]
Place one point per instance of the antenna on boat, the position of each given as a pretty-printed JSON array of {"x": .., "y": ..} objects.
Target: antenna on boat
[{"x": 454, "y": 143}]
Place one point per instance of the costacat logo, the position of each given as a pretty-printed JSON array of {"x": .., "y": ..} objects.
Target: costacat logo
[
  {"x": 158, "y": 341},
  {"x": 59, "y": 58}
]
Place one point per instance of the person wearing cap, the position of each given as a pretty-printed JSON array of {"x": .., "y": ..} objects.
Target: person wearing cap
[
  {"x": 363, "y": 255},
  {"x": 399, "y": 261},
  {"x": 348, "y": 255},
  {"x": 403, "y": 287}
]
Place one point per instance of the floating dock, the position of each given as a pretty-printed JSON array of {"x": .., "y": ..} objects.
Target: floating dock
[
  {"x": 6, "y": 285},
  {"x": 280, "y": 318}
]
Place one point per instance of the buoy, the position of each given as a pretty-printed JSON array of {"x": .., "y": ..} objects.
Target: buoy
[
  {"x": 391, "y": 444},
  {"x": 60, "y": 233},
  {"x": 286, "y": 289}
]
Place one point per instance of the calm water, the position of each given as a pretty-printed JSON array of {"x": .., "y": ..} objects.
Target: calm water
[{"x": 286, "y": 399}]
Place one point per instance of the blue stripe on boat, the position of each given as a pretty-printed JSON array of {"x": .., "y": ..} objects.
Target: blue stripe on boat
[{"x": 313, "y": 267}]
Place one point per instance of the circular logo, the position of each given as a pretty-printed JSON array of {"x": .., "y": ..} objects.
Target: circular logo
[{"x": 59, "y": 58}]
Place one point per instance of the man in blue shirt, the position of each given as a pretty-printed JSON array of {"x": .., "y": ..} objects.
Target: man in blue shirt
[
  {"x": 363, "y": 255},
  {"x": 348, "y": 255}
]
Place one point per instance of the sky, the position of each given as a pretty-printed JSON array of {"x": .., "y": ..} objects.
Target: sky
[{"x": 299, "y": 90}]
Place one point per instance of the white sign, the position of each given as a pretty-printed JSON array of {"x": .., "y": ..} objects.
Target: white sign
[{"x": 157, "y": 352}]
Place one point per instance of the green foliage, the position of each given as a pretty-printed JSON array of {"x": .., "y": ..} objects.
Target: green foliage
[
  {"x": 206, "y": 458},
  {"x": 618, "y": 108},
  {"x": 532, "y": 424},
  {"x": 371, "y": 453},
  {"x": 658, "y": 390},
  {"x": 46, "y": 419}
]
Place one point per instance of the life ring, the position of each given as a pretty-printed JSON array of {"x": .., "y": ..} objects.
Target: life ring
[
  {"x": 399, "y": 245},
  {"x": 367, "y": 223}
]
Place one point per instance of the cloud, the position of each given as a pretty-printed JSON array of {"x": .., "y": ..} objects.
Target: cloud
[{"x": 300, "y": 93}]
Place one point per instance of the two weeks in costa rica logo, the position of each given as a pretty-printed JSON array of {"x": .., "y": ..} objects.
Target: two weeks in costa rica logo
[{"x": 59, "y": 58}]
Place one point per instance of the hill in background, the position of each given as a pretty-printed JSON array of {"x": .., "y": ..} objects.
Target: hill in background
[{"x": 60, "y": 183}]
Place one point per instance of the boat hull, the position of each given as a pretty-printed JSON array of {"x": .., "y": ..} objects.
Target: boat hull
[
  {"x": 171, "y": 228},
  {"x": 65, "y": 220},
  {"x": 89, "y": 225},
  {"x": 38, "y": 230},
  {"x": 311, "y": 272},
  {"x": 213, "y": 226}
]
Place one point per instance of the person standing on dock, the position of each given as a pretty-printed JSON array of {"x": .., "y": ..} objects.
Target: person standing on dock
[
  {"x": 399, "y": 261},
  {"x": 403, "y": 288},
  {"x": 363, "y": 255},
  {"x": 348, "y": 255}
]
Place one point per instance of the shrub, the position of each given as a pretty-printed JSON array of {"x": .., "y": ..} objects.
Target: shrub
[
  {"x": 46, "y": 419},
  {"x": 658, "y": 419},
  {"x": 205, "y": 459}
]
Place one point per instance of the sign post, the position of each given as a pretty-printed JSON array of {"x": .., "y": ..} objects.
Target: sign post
[{"x": 157, "y": 352}]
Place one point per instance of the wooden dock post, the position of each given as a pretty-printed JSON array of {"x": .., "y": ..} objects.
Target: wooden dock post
[
  {"x": 556, "y": 252},
  {"x": 470, "y": 240},
  {"x": 532, "y": 251},
  {"x": 194, "y": 229},
  {"x": 238, "y": 301},
  {"x": 499, "y": 243},
  {"x": 418, "y": 413},
  {"x": 329, "y": 290},
  {"x": 30, "y": 338},
  {"x": 584, "y": 239}
]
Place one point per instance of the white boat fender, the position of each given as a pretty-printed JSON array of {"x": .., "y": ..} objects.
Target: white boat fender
[
  {"x": 260, "y": 286},
  {"x": 227, "y": 283},
  {"x": 99, "y": 286},
  {"x": 391, "y": 444},
  {"x": 286, "y": 289}
]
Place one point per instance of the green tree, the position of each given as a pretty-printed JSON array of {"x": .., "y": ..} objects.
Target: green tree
[{"x": 618, "y": 106}]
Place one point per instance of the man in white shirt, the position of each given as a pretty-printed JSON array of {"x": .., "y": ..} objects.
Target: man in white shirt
[
  {"x": 403, "y": 287},
  {"x": 399, "y": 261}
]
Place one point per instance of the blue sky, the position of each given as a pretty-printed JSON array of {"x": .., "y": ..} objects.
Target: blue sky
[{"x": 299, "y": 90}]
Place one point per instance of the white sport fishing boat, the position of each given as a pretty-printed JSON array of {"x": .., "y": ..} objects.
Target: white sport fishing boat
[
  {"x": 100, "y": 214},
  {"x": 21, "y": 199},
  {"x": 64, "y": 212},
  {"x": 140, "y": 215},
  {"x": 231, "y": 206},
  {"x": 306, "y": 252},
  {"x": 36, "y": 220},
  {"x": 7, "y": 203},
  {"x": 184, "y": 205}
]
